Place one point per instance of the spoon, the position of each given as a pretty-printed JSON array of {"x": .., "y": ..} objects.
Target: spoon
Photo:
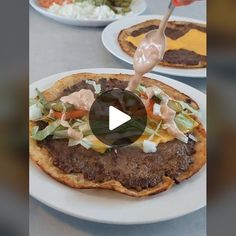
[
  {"x": 158, "y": 36},
  {"x": 150, "y": 51},
  {"x": 152, "y": 47}
]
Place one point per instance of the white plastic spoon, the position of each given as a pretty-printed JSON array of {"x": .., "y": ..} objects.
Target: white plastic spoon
[{"x": 150, "y": 51}]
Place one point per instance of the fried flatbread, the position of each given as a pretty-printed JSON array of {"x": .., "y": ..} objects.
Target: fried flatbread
[
  {"x": 180, "y": 58},
  {"x": 42, "y": 157}
]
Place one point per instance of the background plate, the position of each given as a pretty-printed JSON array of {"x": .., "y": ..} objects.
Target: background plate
[
  {"x": 138, "y": 7},
  {"x": 110, "y": 207},
  {"x": 110, "y": 36}
]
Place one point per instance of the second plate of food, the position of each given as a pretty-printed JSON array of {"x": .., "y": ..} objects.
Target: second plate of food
[
  {"x": 89, "y": 13},
  {"x": 186, "y": 43}
]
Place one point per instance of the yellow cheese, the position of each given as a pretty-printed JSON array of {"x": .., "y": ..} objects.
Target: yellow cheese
[
  {"x": 97, "y": 145},
  {"x": 163, "y": 138},
  {"x": 100, "y": 147},
  {"x": 193, "y": 40}
]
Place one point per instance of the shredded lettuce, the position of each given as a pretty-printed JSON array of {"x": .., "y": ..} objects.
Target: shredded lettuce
[
  {"x": 42, "y": 99},
  {"x": 60, "y": 134},
  {"x": 148, "y": 131},
  {"x": 73, "y": 142},
  {"x": 35, "y": 112},
  {"x": 155, "y": 132},
  {"x": 78, "y": 123},
  {"x": 188, "y": 107},
  {"x": 84, "y": 142},
  {"x": 185, "y": 123},
  {"x": 159, "y": 93},
  {"x": 140, "y": 88},
  {"x": 97, "y": 87},
  {"x": 41, "y": 102},
  {"x": 64, "y": 123},
  {"x": 84, "y": 127},
  {"x": 32, "y": 101},
  {"x": 34, "y": 130},
  {"x": 42, "y": 134},
  {"x": 191, "y": 136},
  {"x": 175, "y": 104}
]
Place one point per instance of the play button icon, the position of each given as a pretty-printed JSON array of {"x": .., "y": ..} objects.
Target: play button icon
[{"x": 117, "y": 117}]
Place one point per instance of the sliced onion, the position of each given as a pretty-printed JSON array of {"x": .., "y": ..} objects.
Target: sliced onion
[
  {"x": 74, "y": 134},
  {"x": 73, "y": 142},
  {"x": 183, "y": 138},
  {"x": 193, "y": 138},
  {"x": 64, "y": 123},
  {"x": 188, "y": 107},
  {"x": 97, "y": 87},
  {"x": 35, "y": 112},
  {"x": 86, "y": 143},
  {"x": 156, "y": 109},
  {"x": 149, "y": 146}
]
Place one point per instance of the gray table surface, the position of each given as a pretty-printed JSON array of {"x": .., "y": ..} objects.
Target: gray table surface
[{"x": 56, "y": 48}]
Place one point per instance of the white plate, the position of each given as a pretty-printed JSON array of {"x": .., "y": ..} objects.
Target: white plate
[
  {"x": 112, "y": 207},
  {"x": 138, "y": 7},
  {"x": 110, "y": 36}
]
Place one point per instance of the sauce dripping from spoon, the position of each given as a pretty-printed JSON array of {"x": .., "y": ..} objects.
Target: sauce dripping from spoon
[
  {"x": 150, "y": 51},
  {"x": 146, "y": 57}
]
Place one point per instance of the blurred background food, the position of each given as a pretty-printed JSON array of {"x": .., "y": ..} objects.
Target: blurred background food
[
  {"x": 88, "y": 9},
  {"x": 115, "y": 5},
  {"x": 118, "y": 6}
]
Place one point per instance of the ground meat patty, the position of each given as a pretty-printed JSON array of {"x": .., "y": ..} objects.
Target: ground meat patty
[
  {"x": 129, "y": 165},
  {"x": 174, "y": 32},
  {"x": 182, "y": 56},
  {"x": 77, "y": 87},
  {"x": 105, "y": 86}
]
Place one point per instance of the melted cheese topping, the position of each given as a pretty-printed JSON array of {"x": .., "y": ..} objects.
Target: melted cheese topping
[
  {"x": 97, "y": 145},
  {"x": 193, "y": 40},
  {"x": 100, "y": 147}
]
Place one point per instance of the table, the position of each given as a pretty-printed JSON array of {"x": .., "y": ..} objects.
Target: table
[{"x": 56, "y": 48}]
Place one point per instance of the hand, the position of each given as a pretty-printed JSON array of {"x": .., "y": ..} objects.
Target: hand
[{"x": 179, "y": 3}]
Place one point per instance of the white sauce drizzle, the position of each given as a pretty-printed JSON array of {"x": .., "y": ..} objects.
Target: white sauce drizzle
[
  {"x": 149, "y": 52},
  {"x": 168, "y": 116},
  {"x": 146, "y": 57},
  {"x": 76, "y": 135},
  {"x": 81, "y": 100}
]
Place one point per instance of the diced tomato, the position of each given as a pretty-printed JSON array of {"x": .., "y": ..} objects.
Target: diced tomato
[
  {"x": 150, "y": 105},
  {"x": 60, "y": 2},
  {"x": 48, "y": 3},
  {"x": 150, "y": 111},
  {"x": 69, "y": 115},
  {"x": 144, "y": 95}
]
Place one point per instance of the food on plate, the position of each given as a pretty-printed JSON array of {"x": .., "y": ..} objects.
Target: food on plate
[
  {"x": 186, "y": 42},
  {"x": 88, "y": 9},
  {"x": 171, "y": 149}
]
